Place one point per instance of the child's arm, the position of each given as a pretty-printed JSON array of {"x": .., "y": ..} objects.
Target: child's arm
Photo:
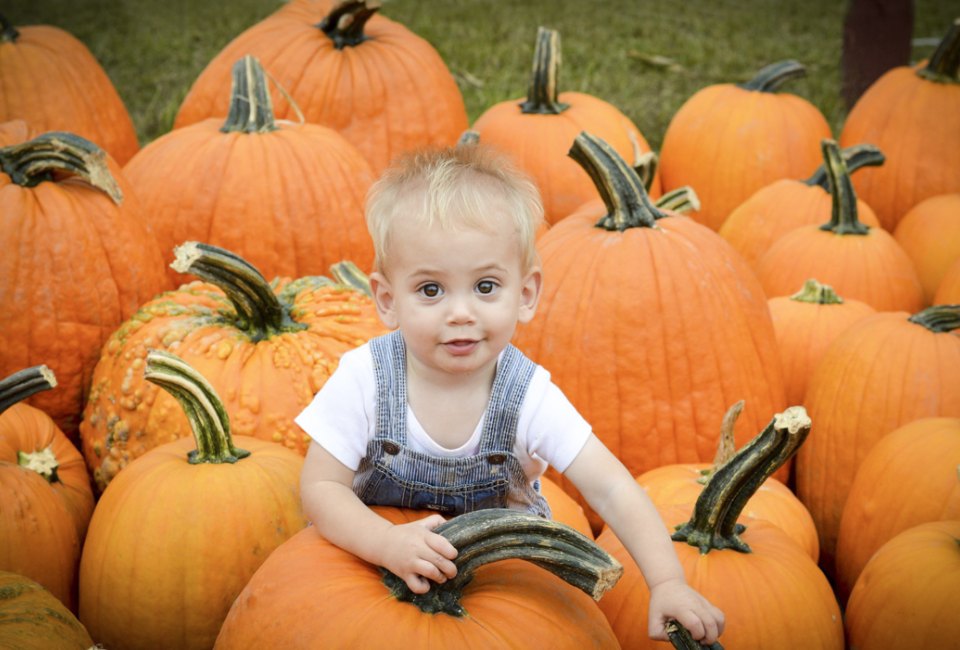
[
  {"x": 614, "y": 494},
  {"x": 411, "y": 551}
]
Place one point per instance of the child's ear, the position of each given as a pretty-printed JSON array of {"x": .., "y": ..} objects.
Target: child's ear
[
  {"x": 530, "y": 295},
  {"x": 383, "y": 299}
]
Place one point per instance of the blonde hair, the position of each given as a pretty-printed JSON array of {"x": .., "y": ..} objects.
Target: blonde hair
[{"x": 458, "y": 185}]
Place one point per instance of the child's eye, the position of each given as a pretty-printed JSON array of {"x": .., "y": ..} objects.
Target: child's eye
[
  {"x": 486, "y": 287},
  {"x": 430, "y": 290}
]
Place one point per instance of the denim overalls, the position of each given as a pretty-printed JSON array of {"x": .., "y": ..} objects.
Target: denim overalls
[{"x": 393, "y": 474}]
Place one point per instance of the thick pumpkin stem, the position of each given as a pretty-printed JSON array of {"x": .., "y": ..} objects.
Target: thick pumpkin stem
[
  {"x": 251, "y": 108},
  {"x": 714, "y": 524},
  {"x": 857, "y": 156},
  {"x": 8, "y": 33},
  {"x": 771, "y": 77},
  {"x": 944, "y": 64},
  {"x": 939, "y": 318},
  {"x": 349, "y": 275},
  {"x": 345, "y": 22},
  {"x": 24, "y": 383},
  {"x": 30, "y": 163},
  {"x": 486, "y": 536},
  {"x": 259, "y": 312},
  {"x": 628, "y": 204},
  {"x": 843, "y": 216},
  {"x": 645, "y": 164},
  {"x": 681, "y": 638},
  {"x": 542, "y": 93},
  {"x": 44, "y": 462},
  {"x": 816, "y": 293},
  {"x": 201, "y": 404}
]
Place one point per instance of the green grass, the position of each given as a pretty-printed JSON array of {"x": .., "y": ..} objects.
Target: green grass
[{"x": 154, "y": 49}]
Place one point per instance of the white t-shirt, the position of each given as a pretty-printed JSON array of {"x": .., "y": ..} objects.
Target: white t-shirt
[{"x": 342, "y": 419}]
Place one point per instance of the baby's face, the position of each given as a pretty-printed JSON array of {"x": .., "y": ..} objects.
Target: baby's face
[{"x": 457, "y": 294}]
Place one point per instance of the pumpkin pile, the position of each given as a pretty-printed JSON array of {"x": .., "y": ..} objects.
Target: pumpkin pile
[{"x": 168, "y": 309}]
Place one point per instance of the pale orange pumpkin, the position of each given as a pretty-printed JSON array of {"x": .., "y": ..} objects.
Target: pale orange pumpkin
[{"x": 929, "y": 234}]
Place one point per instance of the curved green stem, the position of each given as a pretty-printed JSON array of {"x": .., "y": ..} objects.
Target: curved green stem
[
  {"x": 627, "y": 202},
  {"x": 24, "y": 383},
  {"x": 251, "y": 108},
  {"x": 771, "y": 77},
  {"x": 345, "y": 22},
  {"x": 349, "y": 274},
  {"x": 681, "y": 638},
  {"x": 857, "y": 156},
  {"x": 8, "y": 33},
  {"x": 486, "y": 536},
  {"x": 645, "y": 164},
  {"x": 843, "y": 216},
  {"x": 944, "y": 64},
  {"x": 542, "y": 93},
  {"x": 939, "y": 318},
  {"x": 817, "y": 293},
  {"x": 201, "y": 404},
  {"x": 683, "y": 199},
  {"x": 30, "y": 163}
]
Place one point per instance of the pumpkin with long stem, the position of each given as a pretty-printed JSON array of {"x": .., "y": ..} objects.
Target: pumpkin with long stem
[
  {"x": 177, "y": 535},
  {"x": 772, "y": 593},
  {"x": 643, "y": 308},
  {"x": 881, "y": 373},
  {"x": 227, "y": 181},
  {"x": 45, "y": 498},
  {"x": 311, "y": 593},
  {"x": 858, "y": 261},
  {"x": 266, "y": 348},
  {"x": 929, "y": 234},
  {"x": 31, "y": 618}
]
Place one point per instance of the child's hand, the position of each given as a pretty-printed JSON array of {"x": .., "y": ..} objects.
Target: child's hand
[
  {"x": 675, "y": 599},
  {"x": 413, "y": 552}
]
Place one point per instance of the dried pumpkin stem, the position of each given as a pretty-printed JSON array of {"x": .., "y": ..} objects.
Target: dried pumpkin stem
[
  {"x": 468, "y": 138},
  {"x": 816, "y": 293},
  {"x": 856, "y": 157},
  {"x": 486, "y": 536},
  {"x": 628, "y": 204},
  {"x": 681, "y": 638},
  {"x": 726, "y": 447},
  {"x": 30, "y": 163},
  {"x": 944, "y": 64},
  {"x": 771, "y": 77},
  {"x": 8, "y": 33},
  {"x": 24, "y": 383},
  {"x": 644, "y": 163},
  {"x": 251, "y": 108},
  {"x": 542, "y": 93},
  {"x": 939, "y": 318},
  {"x": 345, "y": 22},
  {"x": 201, "y": 404},
  {"x": 843, "y": 215},
  {"x": 683, "y": 199}
]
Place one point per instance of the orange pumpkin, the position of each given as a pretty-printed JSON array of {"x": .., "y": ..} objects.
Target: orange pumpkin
[
  {"x": 923, "y": 102},
  {"x": 924, "y": 455},
  {"x": 883, "y": 372},
  {"x": 805, "y": 324},
  {"x": 771, "y": 592},
  {"x": 266, "y": 348},
  {"x": 539, "y": 130},
  {"x": 310, "y": 593},
  {"x": 651, "y": 300},
  {"x": 32, "y": 619},
  {"x": 52, "y": 80},
  {"x": 904, "y": 596},
  {"x": 785, "y": 204},
  {"x": 729, "y": 140},
  {"x": 929, "y": 234},
  {"x": 383, "y": 87},
  {"x": 229, "y": 183},
  {"x": 177, "y": 535},
  {"x": 78, "y": 259},
  {"x": 859, "y": 262},
  {"x": 948, "y": 291}
]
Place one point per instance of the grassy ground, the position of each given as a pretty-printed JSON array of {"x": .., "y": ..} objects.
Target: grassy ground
[{"x": 153, "y": 49}]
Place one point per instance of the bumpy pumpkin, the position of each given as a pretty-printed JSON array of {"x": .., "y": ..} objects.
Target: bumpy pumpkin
[
  {"x": 32, "y": 619},
  {"x": 266, "y": 349},
  {"x": 771, "y": 592},
  {"x": 346, "y": 67},
  {"x": 230, "y": 183},
  {"x": 924, "y": 455},
  {"x": 643, "y": 308},
  {"x": 883, "y": 372},
  {"x": 77, "y": 260},
  {"x": 310, "y": 593},
  {"x": 929, "y": 234},
  {"x": 923, "y": 102},
  {"x": 51, "y": 79},
  {"x": 729, "y": 140},
  {"x": 539, "y": 130},
  {"x": 177, "y": 535}
]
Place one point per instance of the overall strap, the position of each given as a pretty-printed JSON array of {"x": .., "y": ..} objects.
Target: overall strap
[
  {"x": 514, "y": 372},
  {"x": 390, "y": 368}
]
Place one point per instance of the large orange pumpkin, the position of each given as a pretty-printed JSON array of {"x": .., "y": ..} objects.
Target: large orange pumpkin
[
  {"x": 32, "y": 619},
  {"x": 266, "y": 348},
  {"x": 383, "y": 87},
  {"x": 287, "y": 197},
  {"x": 177, "y": 535},
  {"x": 650, "y": 323},
  {"x": 883, "y": 372},
  {"x": 923, "y": 149},
  {"x": 729, "y": 140},
  {"x": 948, "y": 291},
  {"x": 929, "y": 233},
  {"x": 310, "y": 593},
  {"x": 771, "y": 592},
  {"x": 539, "y": 130},
  {"x": 51, "y": 80},
  {"x": 77, "y": 260}
]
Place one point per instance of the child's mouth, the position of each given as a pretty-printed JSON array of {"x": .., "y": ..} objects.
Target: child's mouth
[{"x": 460, "y": 346}]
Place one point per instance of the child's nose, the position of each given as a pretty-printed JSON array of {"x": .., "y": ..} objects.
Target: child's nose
[{"x": 460, "y": 310}]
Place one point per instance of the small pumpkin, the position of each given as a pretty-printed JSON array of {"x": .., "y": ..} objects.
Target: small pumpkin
[
  {"x": 177, "y": 535},
  {"x": 929, "y": 234},
  {"x": 31, "y": 618}
]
